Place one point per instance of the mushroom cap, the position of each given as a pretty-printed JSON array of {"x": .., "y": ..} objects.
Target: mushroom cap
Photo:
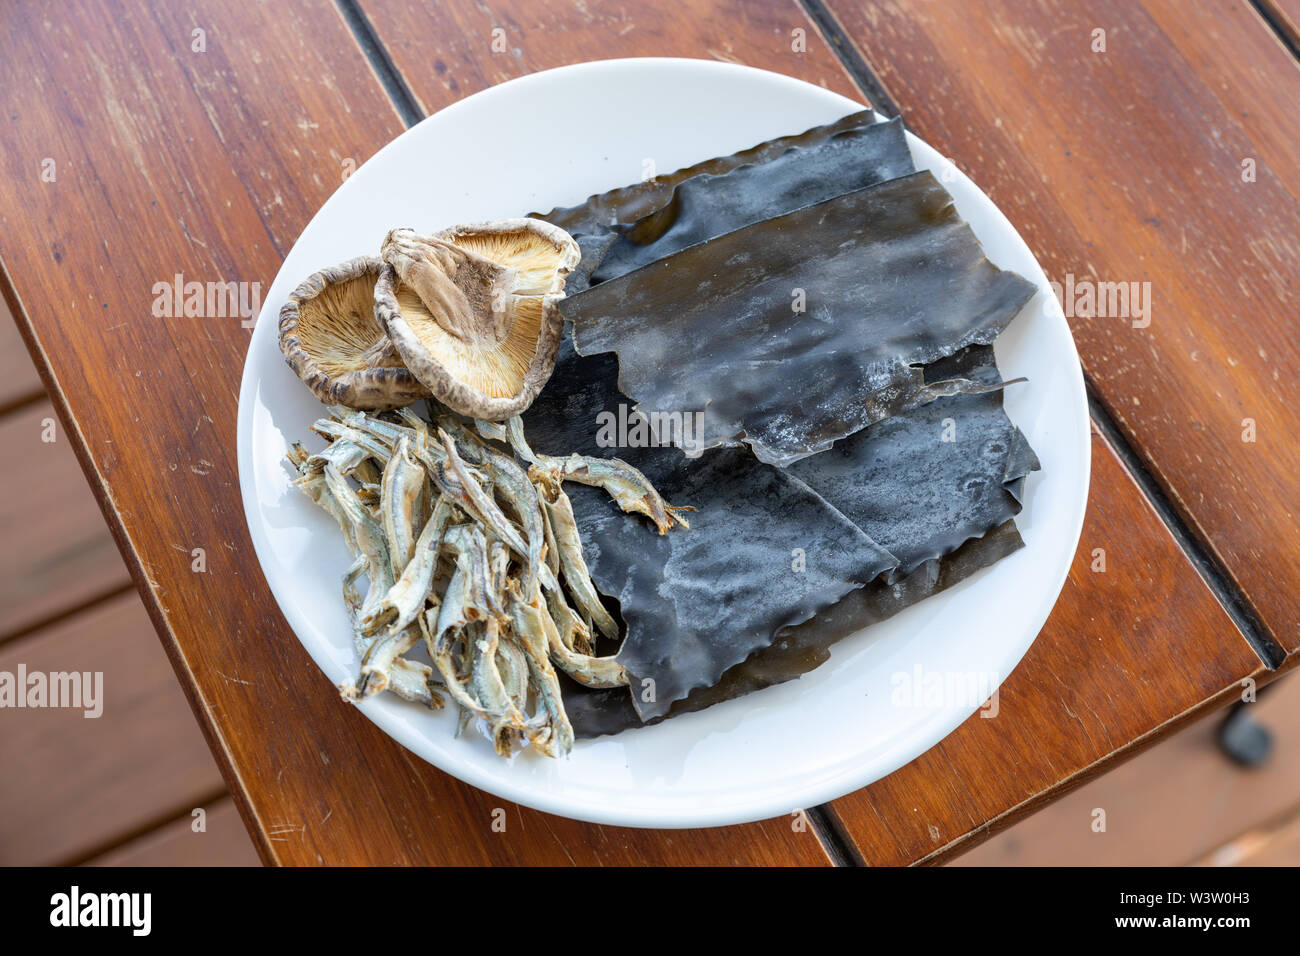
[
  {"x": 331, "y": 339},
  {"x": 472, "y": 310}
]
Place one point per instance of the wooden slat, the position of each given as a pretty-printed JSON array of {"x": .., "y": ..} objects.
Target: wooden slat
[
  {"x": 18, "y": 379},
  {"x": 1278, "y": 845},
  {"x": 219, "y": 159},
  {"x": 1178, "y": 802},
  {"x": 1286, "y": 14},
  {"x": 446, "y": 51},
  {"x": 1126, "y": 166},
  {"x": 72, "y": 783},
  {"x": 57, "y": 553},
  {"x": 1128, "y": 652},
  {"x": 222, "y": 842}
]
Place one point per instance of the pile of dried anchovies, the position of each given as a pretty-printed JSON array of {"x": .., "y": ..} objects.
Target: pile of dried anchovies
[{"x": 475, "y": 556}]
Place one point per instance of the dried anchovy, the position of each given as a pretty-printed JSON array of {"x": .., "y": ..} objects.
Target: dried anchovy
[
  {"x": 574, "y": 633},
  {"x": 468, "y": 492},
  {"x": 473, "y": 555},
  {"x": 574, "y": 567},
  {"x": 399, "y": 494},
  {"x": 627, "y": 486},
  {"x": 408, "y": 679},
  {"x": 570, "y": 645},
  {"x": 526, "y": 618}
]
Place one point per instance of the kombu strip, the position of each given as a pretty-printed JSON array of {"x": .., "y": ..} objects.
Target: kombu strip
[
  {"x": 645, "y": 212},
  {"x": 798, "y": 650},
  {"x": 956, "y": 472},
  {"x": 852, "y": 152},
  {"x": 789, "y": 334},
  {"x": 711, "y": 204},
  {"x": 923, "y": 482},
  {"x": 697, "y": 602},
  {"x": 593, "y": 247}
]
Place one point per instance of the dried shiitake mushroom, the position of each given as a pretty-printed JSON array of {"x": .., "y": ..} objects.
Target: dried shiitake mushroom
[
  {"x": 330, "y": 337},
  {"x": 472, "y": 310}
]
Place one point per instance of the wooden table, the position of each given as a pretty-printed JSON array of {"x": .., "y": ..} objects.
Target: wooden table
[{"x": 1153, "y": 142}]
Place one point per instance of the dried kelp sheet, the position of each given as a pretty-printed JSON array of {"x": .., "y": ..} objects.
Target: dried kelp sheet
[
  {"x": 924, "y": 482},
  {"x": 937, "y": 485},
  {"x": 792, "y": 333},
  {"x": 696, "y": 602},
  {"x": 648, "y": 221},
  {"x": 798, "y": 650},
  {"x": 654, "y": 217},
  {"x": 627, "y": 205},
  {"x": 957, "y": 469},
  {"x": 711, "y": 204},
  {"x": 593, "y": 247}
]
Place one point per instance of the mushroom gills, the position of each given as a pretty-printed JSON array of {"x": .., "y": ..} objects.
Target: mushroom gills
[
  {"x": 331, "y": 338},
  {"x": 472, "y": 310},
  {"x": 339, "y": 328}
]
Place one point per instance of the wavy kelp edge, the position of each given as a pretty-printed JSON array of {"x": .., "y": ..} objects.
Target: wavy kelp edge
[
  {"x": 787, "y": 381},
  {"x": 798, "y": 650},
  {"x": 709, "y": 205},
  {"x": 736, "y": 560},
  {"x": 625, "y": 205}
]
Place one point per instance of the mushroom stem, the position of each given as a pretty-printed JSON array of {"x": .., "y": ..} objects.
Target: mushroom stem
[
  {"x": 465, "y": 293},
  {"x": 473, "y": 310},
  {"x": 381, "y": 355}
]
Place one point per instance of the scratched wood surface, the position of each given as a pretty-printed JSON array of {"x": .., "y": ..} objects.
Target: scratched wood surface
[
  {"x": 446, "y": 51},
  {"x": 219, "y": 156},
  {"x": 1129, "y": 652},
  {"x": 1173, "y": 159},
  {"x": 142, "y": 125}
]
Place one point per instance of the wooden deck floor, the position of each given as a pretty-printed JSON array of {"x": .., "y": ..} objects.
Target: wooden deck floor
[{"x": 125, "y": 788}]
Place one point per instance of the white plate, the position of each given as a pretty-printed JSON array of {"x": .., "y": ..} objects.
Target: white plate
[{"x": 839, "y": 728}]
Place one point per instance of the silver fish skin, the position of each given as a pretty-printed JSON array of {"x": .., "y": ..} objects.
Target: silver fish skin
[
  {"x": 335, "y": 430},
  {"x": 491, "y": 430},
  {"x": 469, "y": 494},
  {"x": 627, "y": 486},
  {"x": 399, "y": 492},
  {"x": 572, "y": 630},
  {"x": 370, "y": 544},
  {"x": 527, "y": 619},
  {"x": 380, "y": 658},
  {"x": 410, "y": 680},
  {"x": 584, "y": 668},
  {"x": 515, "y": 488},
  {"x": 464, "y": 602},
  {"x": 574, "y": 566},
  {"x": 515, "y": 433},
  {"x": 506, "y": 723},
  {"x": 344, "y": 455},
  {"x": 315, "y": 487}
]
